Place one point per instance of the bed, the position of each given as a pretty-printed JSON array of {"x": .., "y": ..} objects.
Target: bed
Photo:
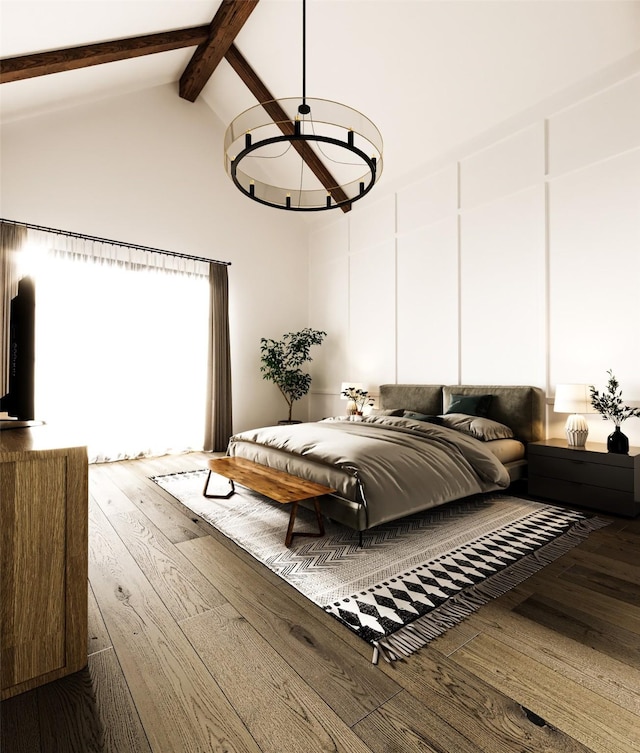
[{"x": 426, "y": 445}]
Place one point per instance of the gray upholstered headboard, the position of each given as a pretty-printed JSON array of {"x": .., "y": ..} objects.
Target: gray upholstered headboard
[{"x": 519, "y": 407}]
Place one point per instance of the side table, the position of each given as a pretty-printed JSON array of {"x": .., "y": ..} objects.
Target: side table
[{"x": 585, "y": 476}]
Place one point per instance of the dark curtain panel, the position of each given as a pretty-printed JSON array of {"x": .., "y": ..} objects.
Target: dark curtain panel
[
  {"x": 12, "y": 238},
  {"x": 218, "y": 413}
]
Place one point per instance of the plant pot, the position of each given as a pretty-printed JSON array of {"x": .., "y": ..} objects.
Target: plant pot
[{"x": 618, "y": 442}]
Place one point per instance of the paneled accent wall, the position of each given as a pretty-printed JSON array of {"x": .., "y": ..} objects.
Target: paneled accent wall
[{"x": 518, "y": 262}]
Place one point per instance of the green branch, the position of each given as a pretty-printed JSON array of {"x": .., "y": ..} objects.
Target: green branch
[{"x": 609, "y": 403}]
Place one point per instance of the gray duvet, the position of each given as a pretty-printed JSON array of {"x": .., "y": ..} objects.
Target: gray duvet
[{"x": 382, "y": 467}]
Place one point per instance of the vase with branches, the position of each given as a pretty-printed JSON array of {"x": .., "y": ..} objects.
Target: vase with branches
[
  {"x": 610, "y": 406},
  {"x": 356, "y": 396}
]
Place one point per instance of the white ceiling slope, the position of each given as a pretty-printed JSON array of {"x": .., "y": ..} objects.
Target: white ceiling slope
[{"x": 431, "y": 74}]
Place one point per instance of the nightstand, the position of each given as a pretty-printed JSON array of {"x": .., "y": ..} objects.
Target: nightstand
[{"x": 585, "y": 476}]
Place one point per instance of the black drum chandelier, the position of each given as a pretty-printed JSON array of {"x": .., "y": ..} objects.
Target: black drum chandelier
[{"x": 317, "y": 154}]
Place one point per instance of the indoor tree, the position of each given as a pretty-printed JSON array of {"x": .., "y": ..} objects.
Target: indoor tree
[{"x": 282, "y": 360}]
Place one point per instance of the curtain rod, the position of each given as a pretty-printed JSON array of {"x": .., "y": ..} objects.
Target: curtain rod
[{"x": 114, "y": 243}]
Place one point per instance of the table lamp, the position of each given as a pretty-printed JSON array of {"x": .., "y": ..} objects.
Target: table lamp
[{"x": 574, "y": 399}]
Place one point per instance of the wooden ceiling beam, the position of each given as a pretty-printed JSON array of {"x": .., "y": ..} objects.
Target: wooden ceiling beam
[
  {"x": 225, "y": 26},
  {"x": 213, "y": 41},
  {"x": 71, "y": 58},
  {"x": 281, "y": 119}
]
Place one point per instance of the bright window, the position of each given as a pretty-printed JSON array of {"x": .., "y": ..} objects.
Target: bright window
[{"x": 121, "y": 355}]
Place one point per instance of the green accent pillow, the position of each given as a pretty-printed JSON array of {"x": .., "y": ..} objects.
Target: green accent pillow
[{"x": 471, "y": 405}]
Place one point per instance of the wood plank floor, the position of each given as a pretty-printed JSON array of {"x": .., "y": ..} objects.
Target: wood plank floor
[{"x": 195, "y": 647}]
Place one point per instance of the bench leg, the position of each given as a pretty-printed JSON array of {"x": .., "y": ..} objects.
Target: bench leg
[
  {"x": 292, "y": 519},
  {"x": 316, "y": 504},
  {"x": 217, "y": 496}
]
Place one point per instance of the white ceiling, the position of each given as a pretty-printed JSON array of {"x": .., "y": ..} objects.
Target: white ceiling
[{"x": 431, "y": 74}]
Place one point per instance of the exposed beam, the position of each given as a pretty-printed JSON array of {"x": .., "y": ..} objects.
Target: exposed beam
[
  {"x": 280, "y": 117},
  {"x": 56, "y": 61},
  {"x": 229, "y": 19},
  {"x": 214, "y": 41}
]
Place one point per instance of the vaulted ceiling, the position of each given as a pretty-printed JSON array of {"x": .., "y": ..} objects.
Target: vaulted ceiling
[{"x": 431, "y": 74}]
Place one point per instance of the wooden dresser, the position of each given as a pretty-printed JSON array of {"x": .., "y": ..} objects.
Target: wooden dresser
[{"x": 43, "y": 558}]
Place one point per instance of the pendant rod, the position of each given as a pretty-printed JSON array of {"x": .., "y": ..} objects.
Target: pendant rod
[{"x": 304, "y": 52}]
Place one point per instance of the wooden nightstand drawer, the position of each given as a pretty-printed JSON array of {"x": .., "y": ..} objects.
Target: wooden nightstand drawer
[
  {"x": 584, "y": 495},
  {"x": 582, "y": 472}
]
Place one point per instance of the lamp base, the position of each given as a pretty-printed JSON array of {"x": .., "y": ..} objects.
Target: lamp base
[{"x": 577, "y": 430}]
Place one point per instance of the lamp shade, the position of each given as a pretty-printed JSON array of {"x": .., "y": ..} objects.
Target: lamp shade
[
  {"x": 576, "y": 400},
  {"x": 572, "y": 398},
  {"x": 349, "y": 385}
]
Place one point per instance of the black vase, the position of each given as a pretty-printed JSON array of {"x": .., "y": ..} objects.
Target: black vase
[{"x": 618, "y": 442}]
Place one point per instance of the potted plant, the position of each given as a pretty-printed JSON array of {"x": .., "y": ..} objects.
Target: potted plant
[
  {"x": 357, "y": 398},
  {"x": 282, "y": 360},
  {"x": 609, "y": 406}
]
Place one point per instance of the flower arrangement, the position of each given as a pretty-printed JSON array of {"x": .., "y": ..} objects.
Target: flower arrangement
[
  {"x": 609, "y": 403},
  {"x": 357, "y": 396}
]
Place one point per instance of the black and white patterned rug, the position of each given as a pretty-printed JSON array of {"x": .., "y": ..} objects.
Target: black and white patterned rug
[{"x": 414, "y": 578}]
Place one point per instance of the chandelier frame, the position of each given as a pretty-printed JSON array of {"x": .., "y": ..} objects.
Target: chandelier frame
[{"x": 240, "y": 144}]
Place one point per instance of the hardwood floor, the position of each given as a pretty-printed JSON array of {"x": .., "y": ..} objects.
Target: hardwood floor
[{"x": 195, "y": 647}]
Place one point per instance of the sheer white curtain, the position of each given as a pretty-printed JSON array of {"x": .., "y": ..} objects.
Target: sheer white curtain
[{"x": 121, "y": 347}]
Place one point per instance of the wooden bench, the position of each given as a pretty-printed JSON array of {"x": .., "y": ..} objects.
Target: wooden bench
[{"x": 276, "y": 485}]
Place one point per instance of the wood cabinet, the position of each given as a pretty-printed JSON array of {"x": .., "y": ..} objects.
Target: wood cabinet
[
  {"x": 586, "y": 476},
  {"x": 43, "y": 558}
]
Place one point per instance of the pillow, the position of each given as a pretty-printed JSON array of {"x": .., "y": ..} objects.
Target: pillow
[
  {"x": 472, "y": 405},
  {"x": 422, "y": 417},
  {"x": 386, "y": 412},
  {"x": 483, "y": 429}
]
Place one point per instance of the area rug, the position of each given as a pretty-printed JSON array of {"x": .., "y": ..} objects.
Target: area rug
[{"x": 414, "y": 578}]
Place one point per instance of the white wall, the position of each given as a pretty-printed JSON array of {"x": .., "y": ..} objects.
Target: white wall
[
  {"x": 146, "y": 168},
  {"x": 516, "y": 261}
]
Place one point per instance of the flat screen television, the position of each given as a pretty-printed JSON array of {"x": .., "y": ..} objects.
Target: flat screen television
[{"x": 19, "y": 400}]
